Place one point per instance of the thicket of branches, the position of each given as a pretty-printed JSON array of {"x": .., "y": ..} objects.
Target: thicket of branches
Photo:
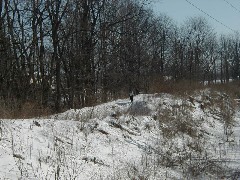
[{"x": 73, "y": 53}]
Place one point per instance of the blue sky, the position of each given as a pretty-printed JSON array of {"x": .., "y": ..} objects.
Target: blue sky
[{"x": 180, "y": 10}]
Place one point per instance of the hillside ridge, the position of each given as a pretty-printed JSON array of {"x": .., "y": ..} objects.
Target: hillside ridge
[{"x": 158, "y": 136}]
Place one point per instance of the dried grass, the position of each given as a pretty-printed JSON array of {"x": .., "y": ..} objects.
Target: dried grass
[{"x": 15, "y": 109}]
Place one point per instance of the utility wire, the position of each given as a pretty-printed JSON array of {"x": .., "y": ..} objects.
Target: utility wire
[
  {"x": 232, "y": 5},
  {"x": 210, "y": 16}
]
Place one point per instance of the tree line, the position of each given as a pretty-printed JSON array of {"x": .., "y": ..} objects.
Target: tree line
[{"x": 74, "y": 53}]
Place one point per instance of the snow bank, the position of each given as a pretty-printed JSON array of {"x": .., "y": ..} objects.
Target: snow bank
[{"x": 158, "y": 136}]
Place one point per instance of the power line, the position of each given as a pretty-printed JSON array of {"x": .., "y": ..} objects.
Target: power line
[
  {"x": 210, "y": 16},
  {"x": 232, "y": 5}
]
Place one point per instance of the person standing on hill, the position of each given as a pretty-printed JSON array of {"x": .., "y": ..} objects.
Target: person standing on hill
[{"x": 131, "y": 96}]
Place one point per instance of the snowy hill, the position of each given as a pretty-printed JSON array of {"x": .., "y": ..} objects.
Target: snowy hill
[{"x": 158, "y": 136}]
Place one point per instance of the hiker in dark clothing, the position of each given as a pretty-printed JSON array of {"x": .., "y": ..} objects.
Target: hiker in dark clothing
[{"x": 131, "y": 96}]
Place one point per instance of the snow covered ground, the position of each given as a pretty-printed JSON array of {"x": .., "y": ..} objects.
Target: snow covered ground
[{"x": 158, "y": 136}]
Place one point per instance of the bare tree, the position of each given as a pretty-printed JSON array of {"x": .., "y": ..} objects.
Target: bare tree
[{"x": 56, "y": 11}]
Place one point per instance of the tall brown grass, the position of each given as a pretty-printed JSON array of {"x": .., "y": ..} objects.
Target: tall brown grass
[
  {"x": 16, "y": 109},
  {"x": 188, "y": 87}
]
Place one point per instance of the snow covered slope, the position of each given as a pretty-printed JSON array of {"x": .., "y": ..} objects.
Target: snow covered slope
[{"x": 158, "y": 136}]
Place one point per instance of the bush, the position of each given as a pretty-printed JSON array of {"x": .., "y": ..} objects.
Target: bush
[{"x": 177, "y": 120}]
